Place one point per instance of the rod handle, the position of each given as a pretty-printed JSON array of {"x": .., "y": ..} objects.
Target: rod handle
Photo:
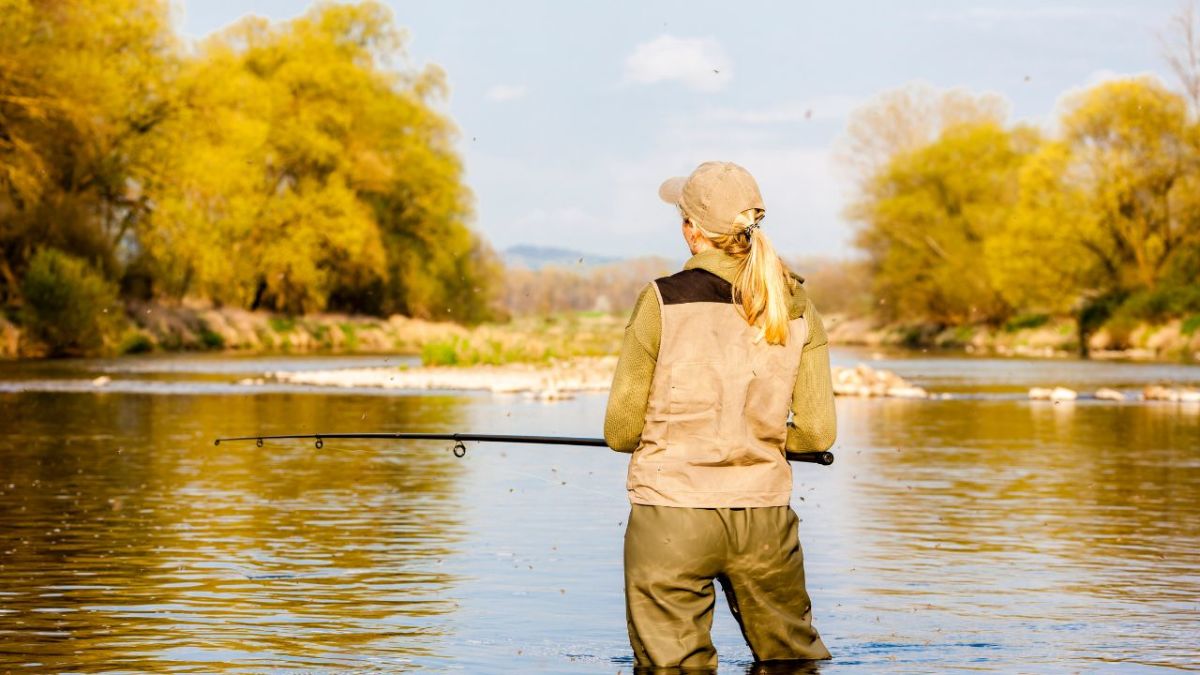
[{"x": 824, "y": 458}]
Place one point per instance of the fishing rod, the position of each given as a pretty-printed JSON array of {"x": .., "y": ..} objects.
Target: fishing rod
[{"x": 460, "y": 449}]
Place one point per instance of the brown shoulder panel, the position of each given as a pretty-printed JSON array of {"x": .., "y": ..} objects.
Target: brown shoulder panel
[{"x": 694, "y": 285}]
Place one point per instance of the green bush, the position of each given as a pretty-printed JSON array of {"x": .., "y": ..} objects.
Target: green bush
[
  {"x": 1190, "y": 324},
  {"x": 1025, "y": 321},
  {"x": 1096, "y": 312},
  {"x": 320, "y": 333},
  {"x": 68, "y": 305},
  {"x": 350, "y": 335},
  {"x": 211, "y": 339},
  {"x": 1165, "y": 302},
  {"x": 440, "y": 352},
  {"x": 282, "y": 324},
  {"x": 1120, "y": 330},
  {"x": 135, "y": 342}
]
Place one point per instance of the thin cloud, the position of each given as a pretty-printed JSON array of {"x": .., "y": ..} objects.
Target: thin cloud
[
  {"x": 700, "y": 64},
  {"x": 506, "y": 92}
]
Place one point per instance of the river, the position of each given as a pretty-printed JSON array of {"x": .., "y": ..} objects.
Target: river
[{"x": 982, "y": 531}]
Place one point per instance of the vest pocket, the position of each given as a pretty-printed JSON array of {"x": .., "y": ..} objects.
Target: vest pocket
[
  {"x": 693, "y": 387},
  {"x": 693, "y": 409}
]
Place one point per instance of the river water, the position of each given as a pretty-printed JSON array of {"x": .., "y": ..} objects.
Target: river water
[{"x": 981, "y": 532}]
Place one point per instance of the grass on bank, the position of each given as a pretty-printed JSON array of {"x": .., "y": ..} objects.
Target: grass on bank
[
  {"x": 528, "y": 340},
  {"x": 142, "y": 328}
]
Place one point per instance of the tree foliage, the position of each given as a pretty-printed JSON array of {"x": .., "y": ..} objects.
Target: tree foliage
[
  {"x": 82, "y": 86},
  {"x": 929, "y": 219},
  {"x": 294, "y": 166},
  {"x": 1039, "y": 261},
  {"x": 1111, "y": 209},
  {"x": 71, "y": 307},
  {"x": 984, "y": 222},
  {"x": 1135, "y": 149}
]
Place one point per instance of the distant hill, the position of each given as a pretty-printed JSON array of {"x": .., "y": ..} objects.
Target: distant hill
[{"x": 537, "y": 257}]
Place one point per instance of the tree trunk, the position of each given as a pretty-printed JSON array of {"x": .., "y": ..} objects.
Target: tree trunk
[
  {"x": 258, "y": 294},
  {"x": 1084, "y": 333}
]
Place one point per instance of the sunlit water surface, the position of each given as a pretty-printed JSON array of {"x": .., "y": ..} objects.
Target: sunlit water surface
[{"x": 980, "y": 532}]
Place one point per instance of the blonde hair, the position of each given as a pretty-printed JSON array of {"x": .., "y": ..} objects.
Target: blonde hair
[{"x": 762, "y": 284}]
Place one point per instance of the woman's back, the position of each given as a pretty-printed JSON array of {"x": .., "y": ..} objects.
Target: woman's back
[{"x": 715, "y": 420}]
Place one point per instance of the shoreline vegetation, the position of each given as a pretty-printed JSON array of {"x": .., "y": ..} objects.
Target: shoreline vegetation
[
  {"x": 195, "y": 327},
  {"x": 200, "y": 328},
  {"x": 549, "y": 359}
]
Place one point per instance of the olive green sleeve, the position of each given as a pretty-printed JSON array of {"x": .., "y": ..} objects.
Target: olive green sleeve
[
  {"x": 626, "y": 413},
  {"x": 814, "y": 419}
]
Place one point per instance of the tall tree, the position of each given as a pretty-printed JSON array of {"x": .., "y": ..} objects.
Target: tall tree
[
  {"x": 81, "y": 86},
  {"x": 315, "y": 173},
  {"x": 925, "y": 219},
  {"x": 1134, "y": 150},
  {"x": 1110, "y": 210}
]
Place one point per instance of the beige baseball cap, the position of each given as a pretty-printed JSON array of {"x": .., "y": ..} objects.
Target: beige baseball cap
[{"x": 713, "y": 195}]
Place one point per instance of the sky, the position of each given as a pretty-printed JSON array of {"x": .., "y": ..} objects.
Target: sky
[{"x": 570, "y": 114}]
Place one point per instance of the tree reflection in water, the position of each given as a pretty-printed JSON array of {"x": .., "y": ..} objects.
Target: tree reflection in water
[
  {"x": 130, "y": 541},
  {"x": 1002, "y": 523},
  {"x": 979, "y": 531}
]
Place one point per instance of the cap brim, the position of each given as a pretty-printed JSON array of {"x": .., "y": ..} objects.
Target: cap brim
[{"x": 672, "y": 189}]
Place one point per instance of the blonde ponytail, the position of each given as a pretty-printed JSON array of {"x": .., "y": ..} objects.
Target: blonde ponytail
[{"x": 762, "y": 284}]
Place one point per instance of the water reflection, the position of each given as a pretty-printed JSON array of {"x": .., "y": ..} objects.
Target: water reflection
[
  {"x": 977, "y": 533},
  {"x": 1079, "y": 518},
  {"x": 131, "y": 540}
]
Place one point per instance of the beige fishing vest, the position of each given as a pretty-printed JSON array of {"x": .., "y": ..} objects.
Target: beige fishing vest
[{"x": 716, "y": 421}]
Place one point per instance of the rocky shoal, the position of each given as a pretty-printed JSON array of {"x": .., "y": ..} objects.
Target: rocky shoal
[
  {"x": 553, "y": 381},
  {"x": 562, "y": 380},
  {"x": 1154, "y": 392},
  {"x": 549, "y": 382}
]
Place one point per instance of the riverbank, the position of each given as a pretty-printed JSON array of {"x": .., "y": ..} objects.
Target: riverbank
[
  {"x": 198, "y": 327},
  {"x": 1173, "y": 341}
]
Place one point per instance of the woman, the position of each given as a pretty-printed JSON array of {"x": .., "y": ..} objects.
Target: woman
[{"x": 714, "y": 359}]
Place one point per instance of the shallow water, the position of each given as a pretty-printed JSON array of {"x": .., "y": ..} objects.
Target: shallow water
[{"x": 983, "y": 532}]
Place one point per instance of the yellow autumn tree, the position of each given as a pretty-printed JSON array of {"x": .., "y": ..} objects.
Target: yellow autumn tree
[
  {"x": 82, "y": 86},
  {"x": 294, "y": 166},
  {"x": 314, "y": 175},
  {"x": 1110, "y": 213},
  {"x": 925, "y": 219},
  {"x": 1136, "y": 144},
  {"x": 1040, "y": 260}
]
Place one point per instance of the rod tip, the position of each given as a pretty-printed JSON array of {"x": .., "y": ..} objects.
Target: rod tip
[{"x": 217, "y": 442}]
